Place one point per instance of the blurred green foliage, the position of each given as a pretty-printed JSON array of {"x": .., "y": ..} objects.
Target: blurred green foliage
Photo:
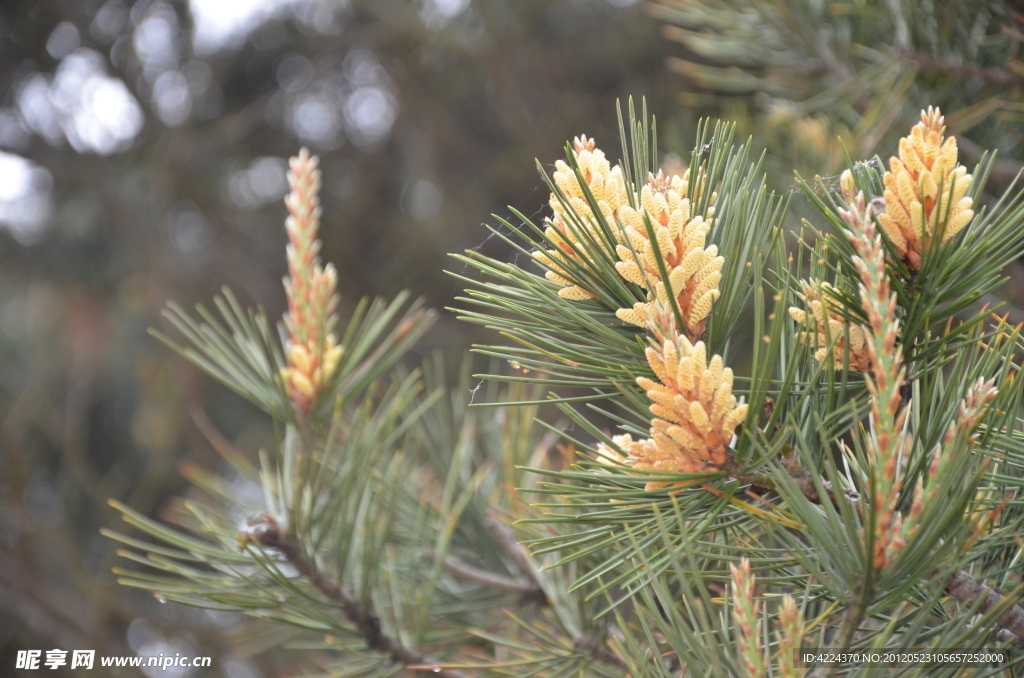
[
  {"x": 807, "y": 78},
  {"x": 812, "y": 81}
]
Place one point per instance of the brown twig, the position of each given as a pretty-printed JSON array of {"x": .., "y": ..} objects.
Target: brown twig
[
  {"x": 1003, "y": 172},
  {"x": 855, "y": 611},
  {"x": 996, "y": 76},
  {"x": 525, "y": 587},
  {"x": 506, "y": 538},
  {"x": 268, "y": 533},
  {"x": 223, "y": 447},
  {"x": 800, "y": 476},
  {"x": 598, "y": 651},
  {"x": 969, "y": 591}
]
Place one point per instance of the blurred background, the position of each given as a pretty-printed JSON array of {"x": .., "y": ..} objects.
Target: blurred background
[{"x": 143, "y": 150}]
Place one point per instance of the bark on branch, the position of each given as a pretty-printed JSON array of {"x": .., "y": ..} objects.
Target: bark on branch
[
  {"x": 525, "y": 587},
  {"x": 996, "y": 76},
  {"x": 269, "y": 534},
  {"x": 598, "y": 651},
  {"x": 800, "y": 476},
  {"x": 506, "y": 538},
  {"x": 1003, "y": 171},
  {"x": 968, "y": 591}
]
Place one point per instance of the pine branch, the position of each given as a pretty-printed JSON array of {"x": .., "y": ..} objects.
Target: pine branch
[
  {"x": 1003, "y": 171},
  {"x": 815, "y": 43},
  {"x": 997, "y": 76},
  {"x": 269, "y": 534},
  {"x": 968, "y": 591},
  {"x": 507, "y": 540},
  {"x": 598, "y": 651},
  {"x": 800, "y": 475},
  {"x": 527, "y": 588},
  {"x": 961, "y": 585},
  {"x": 855, "y": 612}
]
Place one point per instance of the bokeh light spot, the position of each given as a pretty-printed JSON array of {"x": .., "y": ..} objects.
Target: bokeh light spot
[
  {"x": 370, "y": 112},
  {"x": 108, "y": 23},
  {"x": 63, "y": 40},
  {"x": 171, "y": 98},
  {"x": 264, "y": 181},
  {"x": 316, "y": 121},
  {"x": 25, "y": 203},
  {"x": 95, "y": 112}
]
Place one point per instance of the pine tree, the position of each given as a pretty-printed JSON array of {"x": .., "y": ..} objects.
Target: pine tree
[
  {"x": 853, "y": 490},
  {"x": 808, "y": 78}
]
